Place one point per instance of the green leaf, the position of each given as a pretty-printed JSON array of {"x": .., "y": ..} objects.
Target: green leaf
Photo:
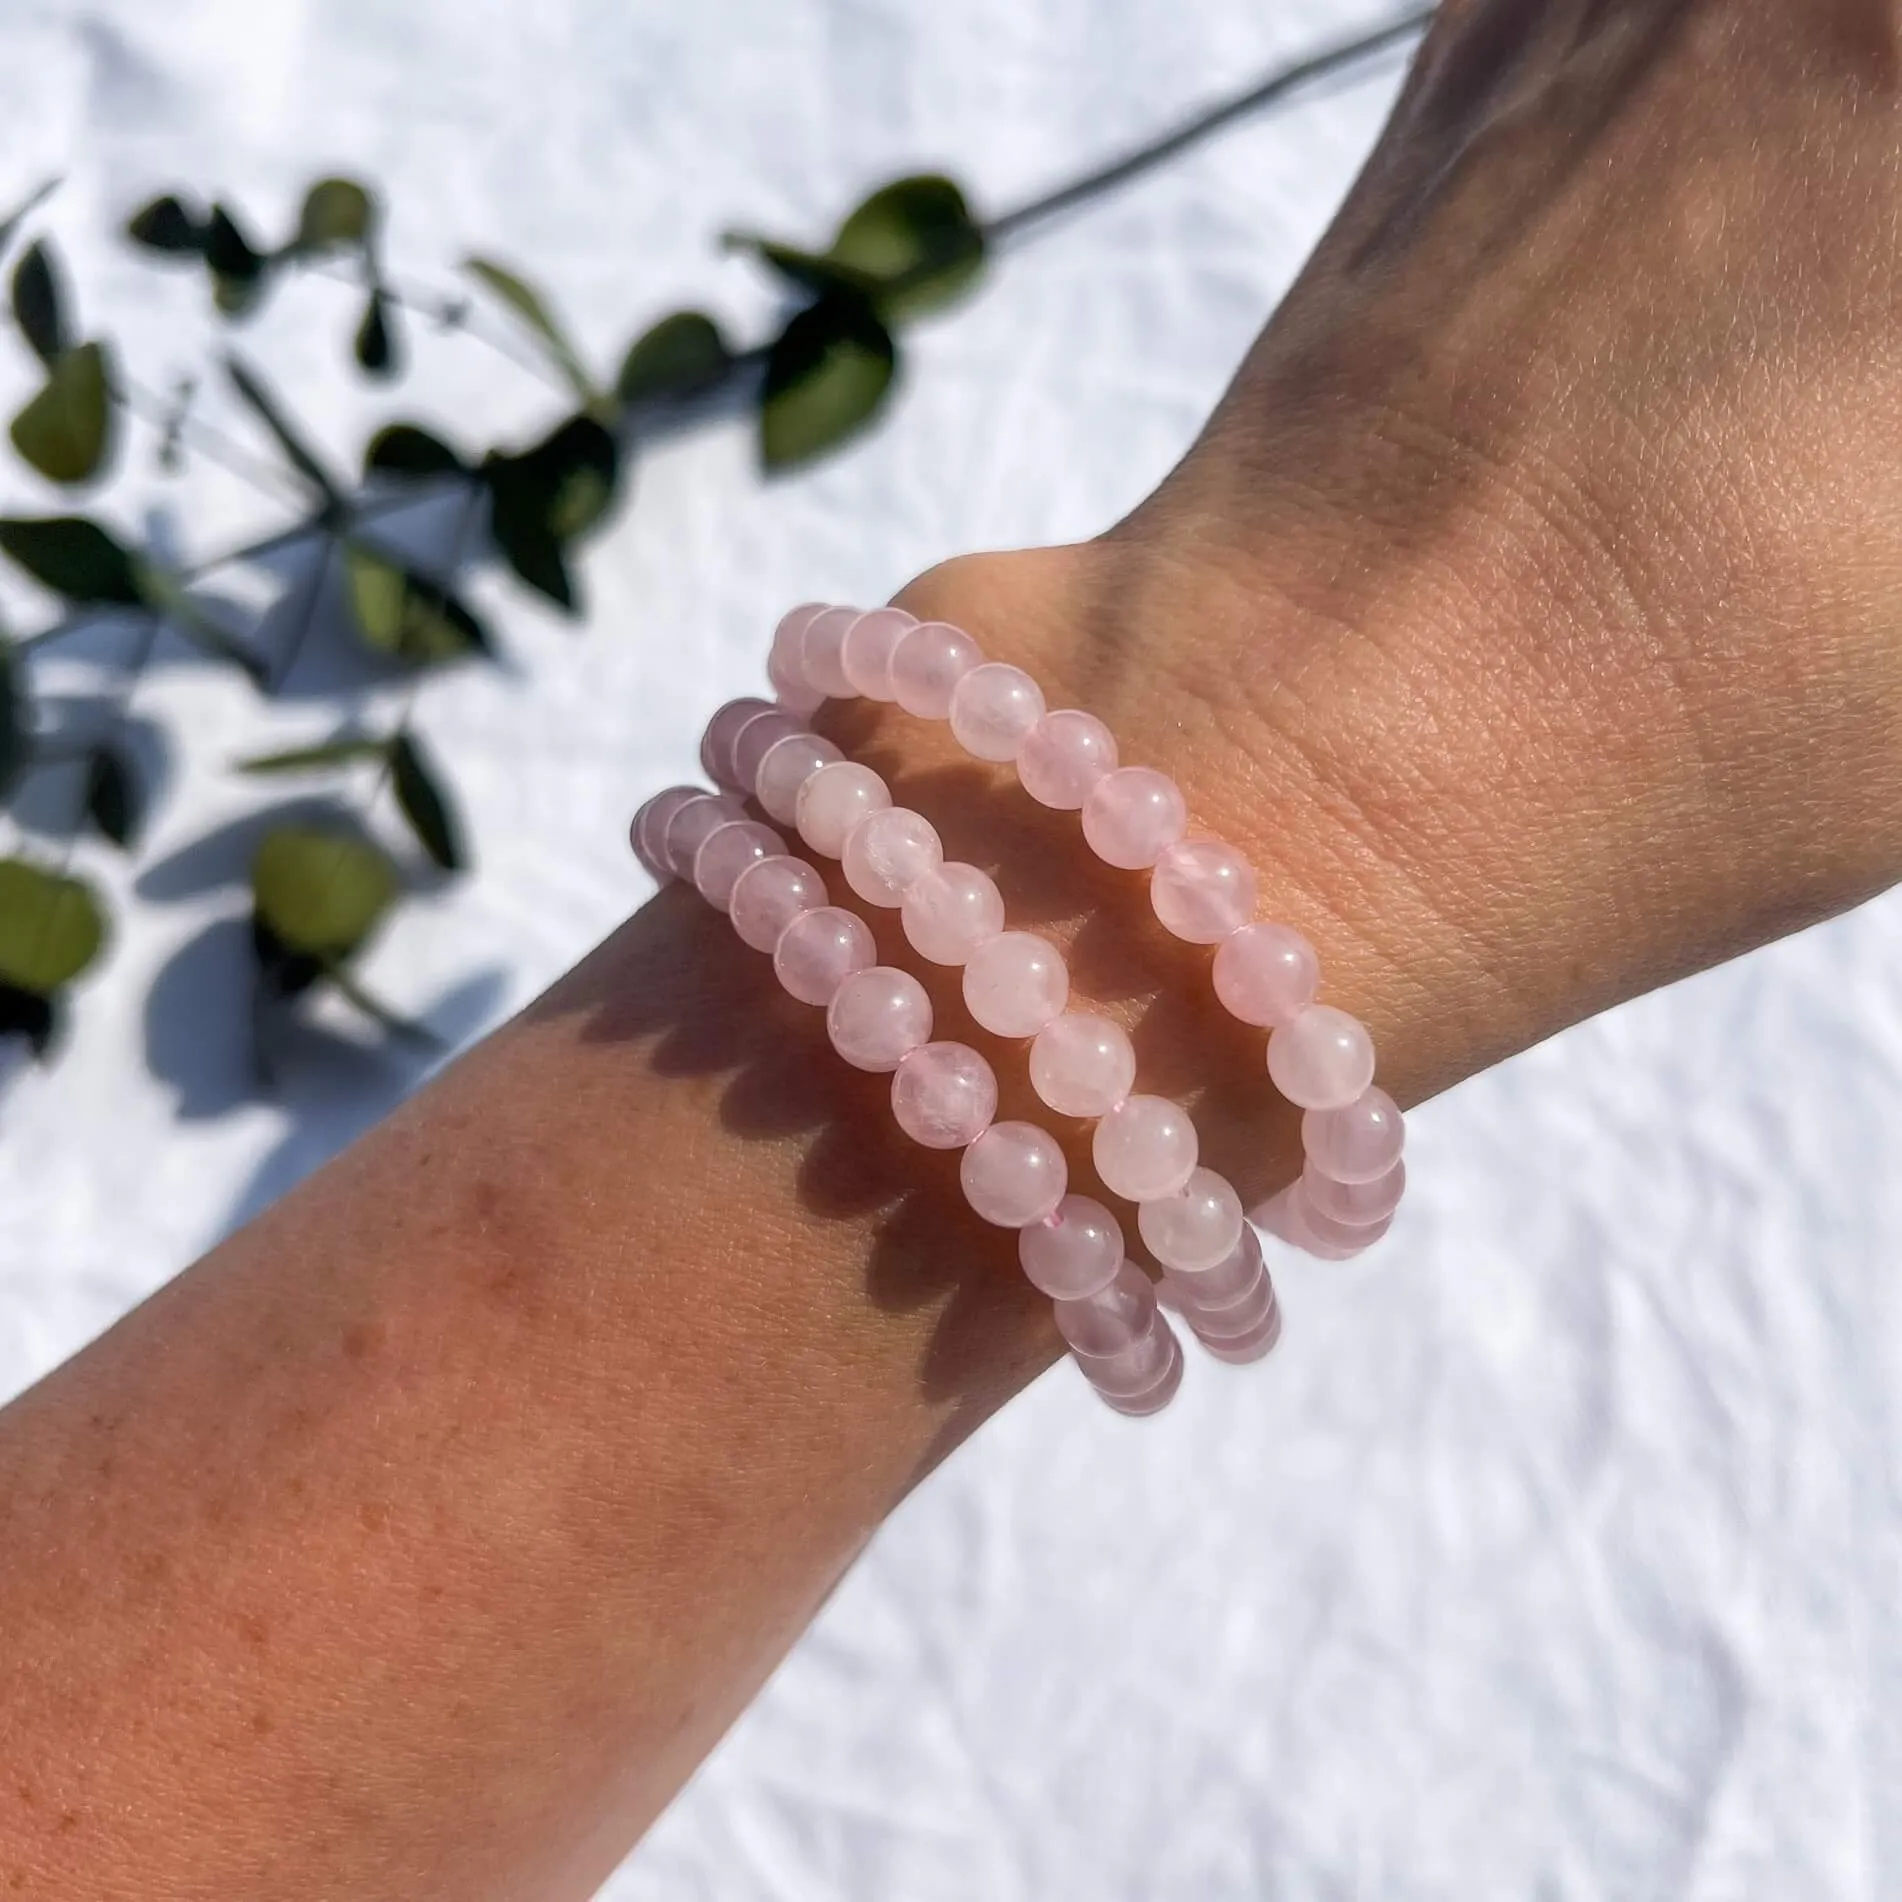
[
  {"x": 51, "y": 927},
  {"x": 66, "y": 431},
  {"x": 321, "y": 891},
  {"x": 297, "y": 452},
  {"x": 518, "y": 524},
  {"x": 24, "y": 1015},
  {"x": 544, "y": 497},
  {"x": 424, "y": 804},
  {"x": 316, "y": 759},
  {"x": 678, "y": 359},
  {"x": 827, "y": 377},
  {"x": 37, "y": 305},
  {"x": 375, "y": 341},
  {"x": 113, "y": 799},
  {"x": 917, "y": 241},
  {"x": 404, "y": 449},
  {"x": 239, "y": 270},
  {"x": 809, "y": 271},
  {"x": 11, "y": 223},
  {"x": 406, "y": 616},
  {"x": 528, "y": 304},
  {"x": 74, "y": 557},
  {"x": 15, "y": 734},
  {"x": 169, "y": 226},
  {"x": 337, "y": 212}
]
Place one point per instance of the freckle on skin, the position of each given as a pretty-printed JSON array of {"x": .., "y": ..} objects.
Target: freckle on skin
[
  {"x": 362, "y": 1339},
  {"x": 374, "y": 1514},
  {"x": 68, "y": 1822},
  {"x": 252, "y": 1629},
  {"x": 261, "y": 1723}
]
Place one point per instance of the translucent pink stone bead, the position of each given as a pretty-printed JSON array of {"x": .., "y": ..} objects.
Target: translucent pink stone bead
[
  {"x": 870, "y": 642},
  {"x": 1321, "y": 1058},
  {"x": 1074, "y": 1251},
  {"x": 1133, "y": 816},
  {"x": 1144, "y": 1148},
  {"x": 790, "y": 634},
  {"x": 819, "y": 950},
  {"x": 992, "y": 708},
  {"x": 770, "y": 895},
  {"x": 1120, "y": 1313},
  {"x": 692, "y": 820},
  {"x": 1357, "y": 1143},
  {"x": 833, "y": 800},
  {"x": 784, "y": 667},
  {"x": 1135, "y": 1371},
  {"x": 1013, "y": 1174},
  {"x": 949, "y": 912},
  {"x": 1350, "y": 1237},
  {"x": 1252, "y": 1346},
  {"x": 786, "y": 766},
  {"x": 1082, "y": 1064},
  {"x": 1356, "y": 1204},
  {"x": 878, "y": 1017},
  {"x": 1227, "y": 1282},
  {"x": 820, "y": 659},
  {"x": 1015, "y": 983},
  {"x": 928, "y": 664},
  {"x": 716, "y": 743},
  {"x": 1285, "y": 1215},
  {"x": 1202, "y": 890},
  {"x": 1265, "y": 974},
  {"x": 726, "y": 852},
  {"x": 1236, "y": 1321},
  {"x": 944, "y": 1095},
  {"x": 1197, "y": 1227},
  {"x": 1154, "y": 1398},
  {"x": 888, "y": 852},
  {"x": 648, "y": 834},
  {"x": 1063, "y": 756},
  {"x": 750, "y": 744}
]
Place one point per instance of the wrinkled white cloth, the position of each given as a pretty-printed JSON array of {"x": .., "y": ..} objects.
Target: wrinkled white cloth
[{"x": 1555, "y": 1554}]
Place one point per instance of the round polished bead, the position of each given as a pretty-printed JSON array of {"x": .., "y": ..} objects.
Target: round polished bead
[
  {"x": 870, "y": 642},
  {"x": 1350, "y": 1237},
  {"x": 1265, "y": 974},
  {"x": 726, "y": 852},
  {"x": 789, "y": 636},
  {"x": 1013, "y": 1174},
  {"x": 927, "y": 665},
  {"x": 1082, "y": 1064},
  {"x": 1227, "y": 1281},
  {"x": 819, "y": 950},
  {"x": 819, "y": 651},
  {"x": 1152, "y": 1399},
  {"x": 1197, "y": 1227},
  {"x": 1144, "y": 1148},
  {"x": 992, "y": 708},
  {"x": 1359, "y": 1142},
  {"x": 1074, "y": 1251},
  {"x": 648, "y": 834},
  {"x": 1015, "y": 983},
  {"x": 833, "y": 800},
  {"x": 944, "y": 1095},
  {"x": 1239, "y": 1319},
  {"x": 1133, "y": 816},
  {"x": 1286, "y": 1216},
  {"x": 1118, "y": 1314},
  {"x": 888, "y": 852},
  {"x": 1321, "y": 1058},
  {"x": 878, "y": 1017},
  {"x": 1135, "y": 1370},
  {"x": 1356, "y": 1204},
  {"x": 1252, "y": 1346},
  {"x": 690, "y": 823},
  {"x": 1063, "y": 756},
  {"x": 751, "y": 743},
  {"x": 784, "y": 666},
  {"x": 950, "y": 911},
  {"x": 716, "y": 743},
  {"x": 770, "y": 895},
  {"x": 785, "y": 766},
  {"x": 1202, "y": 890}
]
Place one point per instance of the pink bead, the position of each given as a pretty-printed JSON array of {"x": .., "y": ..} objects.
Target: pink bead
[
  {"x": 992, "y": 708},
  {"x": 1133, "y": 1371},
  {"x": 1075, "y": 1251},
  {"x": 1239, "y": 1319},
  {"x": 716, "y": 743},
  {"x": 1152, "y": 1399},
  {"x": 878, "y": 1017},
  {"x": 949, "y": 912},
  {"x": 1286, "y": 1216},
  {"x": 750, "y": 744},
  {"x": 1120, "y": 1313},
  {"x": 786, "y": 766},
  {"x": 944, "y": 1095},
  {"x": 1349, "y": 1237},
  {"x": 1252, "y": 1346},
  {"x": 726, "y": 852},
  {"x": 1265, "y": 974},
  {"x": 1357, "y": 1143},
  {"x": 819, "y": 652},
  {"x": 1133, "y": 816},
  {"x": 648, "y": 834},
  {"x": 1321, "y": 1058},
  {"x": 1015, "y": 983},
  {"x": 1082, "y": 1064},
  {"x": 870, "y": 643},
  {"x": 692, "y": 820},
  {"x": 1227, "y": 1282},
  {"x": 833, "y": 800},
  {"x": 1197, "y": 1227},
  {"x": 1356, "y": 1204},
  {"x": 1063, "y": 756},
  {"x": 1013, "y": 1173},
  {"x": 790, "y": 634},
  {"x": 1202, "y": 890},
  {"x": 928, "y": 664},
  {"x": 819, "y": 950},
  {"x": 1145, "y": 1148},
  {"x": 770, "y": 895},
  {"x": 888, "y": 852},
  {"x": 794, "y": 692}
]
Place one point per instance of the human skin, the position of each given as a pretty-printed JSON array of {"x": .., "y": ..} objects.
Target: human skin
[{"x": 1526, "y": 612}]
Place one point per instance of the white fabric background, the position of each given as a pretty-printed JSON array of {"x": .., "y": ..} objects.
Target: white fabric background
[{"x": 1556, "y": 1553}]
